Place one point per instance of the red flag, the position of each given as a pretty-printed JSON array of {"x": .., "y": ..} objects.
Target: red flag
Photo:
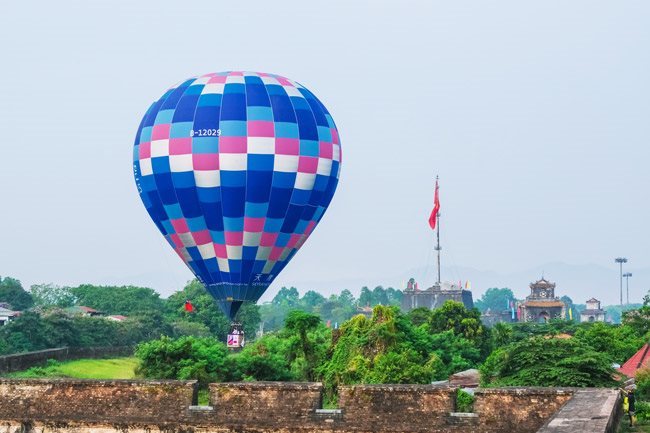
[
  {"x": 189, "y": 307},
  {"x": 436, "y": 208}
]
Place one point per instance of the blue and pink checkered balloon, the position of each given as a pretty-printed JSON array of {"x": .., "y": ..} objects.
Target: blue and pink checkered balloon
[{"x": 236, "y": 169}]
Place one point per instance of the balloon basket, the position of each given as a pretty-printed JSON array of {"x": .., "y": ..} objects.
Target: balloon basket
[{"x": 236, "y": 340}]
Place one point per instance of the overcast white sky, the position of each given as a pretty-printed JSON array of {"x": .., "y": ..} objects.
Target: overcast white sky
[{"x": 535, "y": 114}]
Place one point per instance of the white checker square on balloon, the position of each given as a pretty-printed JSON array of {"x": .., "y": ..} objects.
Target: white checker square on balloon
[
  {"x": 285, "y": 254},
  {"x": 261, "y": 145},
  {"x": 263, "y": 253},
  {"x": 233, "y": 161},
  {"x": 235, "y": 79},
  {"x": 292, "y": 91},
  {"x": 160, "y": 148},
  {"x": 212, "y": 88},
  {"x": 185, "y": 255},
  {"x": 234, "y": 252},
  {"x": 268, "y": 267},
  {"x": 201, "y": 80},
  {"x": 336, "y": 152},
  {"x": 179, "y": 163},
  {"x": 207, "y": 178},
  {"x": 269, "y": 80},
  {"x": 252, "y": 239},
  {"x": 223, "y": 264},
  {"x": 305, "y": 181},
  {"x": 187, "y": 239},
  {"x": 285, "y": 163},
  {"x": 324, "y": 166},
  {"x": 207, "y": 251},
  {"x": 145, "y": 167}
]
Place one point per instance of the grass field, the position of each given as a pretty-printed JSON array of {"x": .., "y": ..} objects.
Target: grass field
[{"x": 118, "y": 368}]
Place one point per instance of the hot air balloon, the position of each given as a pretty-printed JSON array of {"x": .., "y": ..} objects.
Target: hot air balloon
[{"x": 236, "y": 169}]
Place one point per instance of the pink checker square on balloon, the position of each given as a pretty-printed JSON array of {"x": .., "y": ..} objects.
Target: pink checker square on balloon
[
  {"x": 236, "y": 73},
  {"x": 287, "y": 146},
  {"x": 254, "y": 225},
  {"x": 293, "y": 240},
  {"x": 180, "y": 225},
  {"x": 307, "y": 164},
  {"x": 218, "y": 79},
  {"x": 261, "y": 128},
  {"x": 180, "y": 146},
  {"x": 276, "y": 252},
  {"x": 144, "y": 150},
  {"x": 234, "y": 238},
  {"x": 335, "y": 136},
  {"x": 310, "y": 227},
  {"x": 205, "y": 161},
  {"x": 284, "y": 81},
  {"x": 233, "y": 144},
  {"x": 325, "y": 149},
  {"x": 221, "y": 251},
  {"x": 160, "y": 132},
  {"x": 268, "y": 239},
  {"x": 176, "y": 240},
  {"x": 202, "y": 237}
]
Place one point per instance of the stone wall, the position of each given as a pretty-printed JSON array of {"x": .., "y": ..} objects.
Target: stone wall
[
  {"x": 131, "y": 406},
  {"x": 23, "y": 361}
]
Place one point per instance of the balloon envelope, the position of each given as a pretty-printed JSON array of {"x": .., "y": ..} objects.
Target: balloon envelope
[{"x": 236, "y": 169}]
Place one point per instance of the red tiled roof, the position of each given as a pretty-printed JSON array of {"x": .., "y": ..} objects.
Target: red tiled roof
[{"x": 636, "y": 362}]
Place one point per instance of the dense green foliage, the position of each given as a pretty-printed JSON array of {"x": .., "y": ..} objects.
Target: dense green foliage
[
  {"x": 548, "y": 362},
  {"x": 495, "y": 300},
  {"x": 12, "y": 291},
  {"x": 116, "y": 368}
]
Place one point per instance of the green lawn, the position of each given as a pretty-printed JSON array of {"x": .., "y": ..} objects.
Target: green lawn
[{"x": 118, "y": 368}]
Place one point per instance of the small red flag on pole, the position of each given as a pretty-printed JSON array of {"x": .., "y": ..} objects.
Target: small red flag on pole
[
  {"x": 436, "y": 208},
  {"x": 189, "y": 307}
]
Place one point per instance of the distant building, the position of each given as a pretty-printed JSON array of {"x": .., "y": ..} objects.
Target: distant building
[
  {"x": 491, "y": 318},
  {"x": 117, "y": 318},
  {"x": 6, "y": 315},
  {"x": 366, "y": 311},
  {"x": 542, "y": 305},
  {"x": 593, "y": 312},
  {"x": 434, "y": 296},
  {"x": 80, "y": 310}
]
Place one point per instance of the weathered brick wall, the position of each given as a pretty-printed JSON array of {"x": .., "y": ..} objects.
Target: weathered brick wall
[
  {"x": 265, "y": 403},
  {"x": 119, "y": 401},
  {"x": 518, "y": 409},
  {"x": 396, "y": 407},
  {"x": 23, "y": 361}
]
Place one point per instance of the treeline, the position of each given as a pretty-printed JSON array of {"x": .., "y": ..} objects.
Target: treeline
[
  {"x": 333, "y": 310},
  {"x": 49, "y": 319}
]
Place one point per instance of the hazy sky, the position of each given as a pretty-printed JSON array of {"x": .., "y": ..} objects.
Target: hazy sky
[{"x": 535, "y": 114}]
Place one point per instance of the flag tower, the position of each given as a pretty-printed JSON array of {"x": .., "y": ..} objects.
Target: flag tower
[{"x": 434, "y": 223}]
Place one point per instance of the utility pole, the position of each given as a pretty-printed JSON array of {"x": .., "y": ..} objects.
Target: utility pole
[
  {"x": 620, "y": 261},
  {"x": 627, "y": 276}
]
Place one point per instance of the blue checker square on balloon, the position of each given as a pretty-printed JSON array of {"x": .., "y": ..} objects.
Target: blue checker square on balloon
[
  {"x": 196, "y": 224},
  {"x": 309, "y": 148},
  {"x": 256, "y": 209},
  {"x": 205, "y": 145},
  {"x": 194, "y": 90},
  {"x": 233, "y": 106},
  {"x": 185, "y": 109},
  {"x": 233, "y": 128},
  {"x": 300, "y": 196},
  {"x": 300, "y": 104},
  {"x": 206, "y": 117},
  {"x": 283, "y": 180},
  {"x": 248, "y": 253},
  {"x": 230, "y": 179},
  {"x": 259, "y": 113},
  {"x": 209, "y": 195},
  {"x": 210, "y": 100},
  {"x": 213, "y": 215},
  {"x": 273, "y": 225},
  {"x": 233, "y": 201},
  {"x": 233, "y": 224},
  {"x": 160, "y": 165},
  {"x": 286, "y": 130},
  {"x": 324, "y": 134},
  {"x": 183, "y": 180},
  {"x": 306, "y": 125},
  {"x": 212, "y": 266},
  {"x": 218, "y": 237},
  {"x": 174, "y": 211},
  {"x": 180, "y": 130},
  {"x": 145, "y": 134},
  {"x": 164, "y": 116},
  {"x": 262, "y": 165},
  {"x": 256, "y": 95}
]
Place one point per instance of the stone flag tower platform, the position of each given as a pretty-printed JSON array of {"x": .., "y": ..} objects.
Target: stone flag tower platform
[{"x": 100, "y": 406}]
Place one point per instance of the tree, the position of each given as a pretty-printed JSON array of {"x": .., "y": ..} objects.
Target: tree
[
  {"x": 302, "y": 323},
  {"x": 365, "y": 298},
  {"x": 289, "y": 297},
  {"x": 379, "y": 296},
  {"x": 12, "y": 292},
  {"x": 495, "y": 299},
  {"x": 124, "y": 300},
  {"x": 453, "y": 316},
  {"x": 502, "y": 334},
  {"x": 419, "y": 316},
  {"x": 312, "y": 299},
  {"x": 50, "y": 295},
  {"x": 617, "y": 342},
  {"x": 541, "y": 361}
]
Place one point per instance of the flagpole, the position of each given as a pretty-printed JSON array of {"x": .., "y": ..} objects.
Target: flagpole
[{"x": 438, "y": 237}]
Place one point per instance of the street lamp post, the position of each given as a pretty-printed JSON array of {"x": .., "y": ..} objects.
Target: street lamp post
[
  {"x": 620, "y": 261},
  {"x": 627, "y": 276}
]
